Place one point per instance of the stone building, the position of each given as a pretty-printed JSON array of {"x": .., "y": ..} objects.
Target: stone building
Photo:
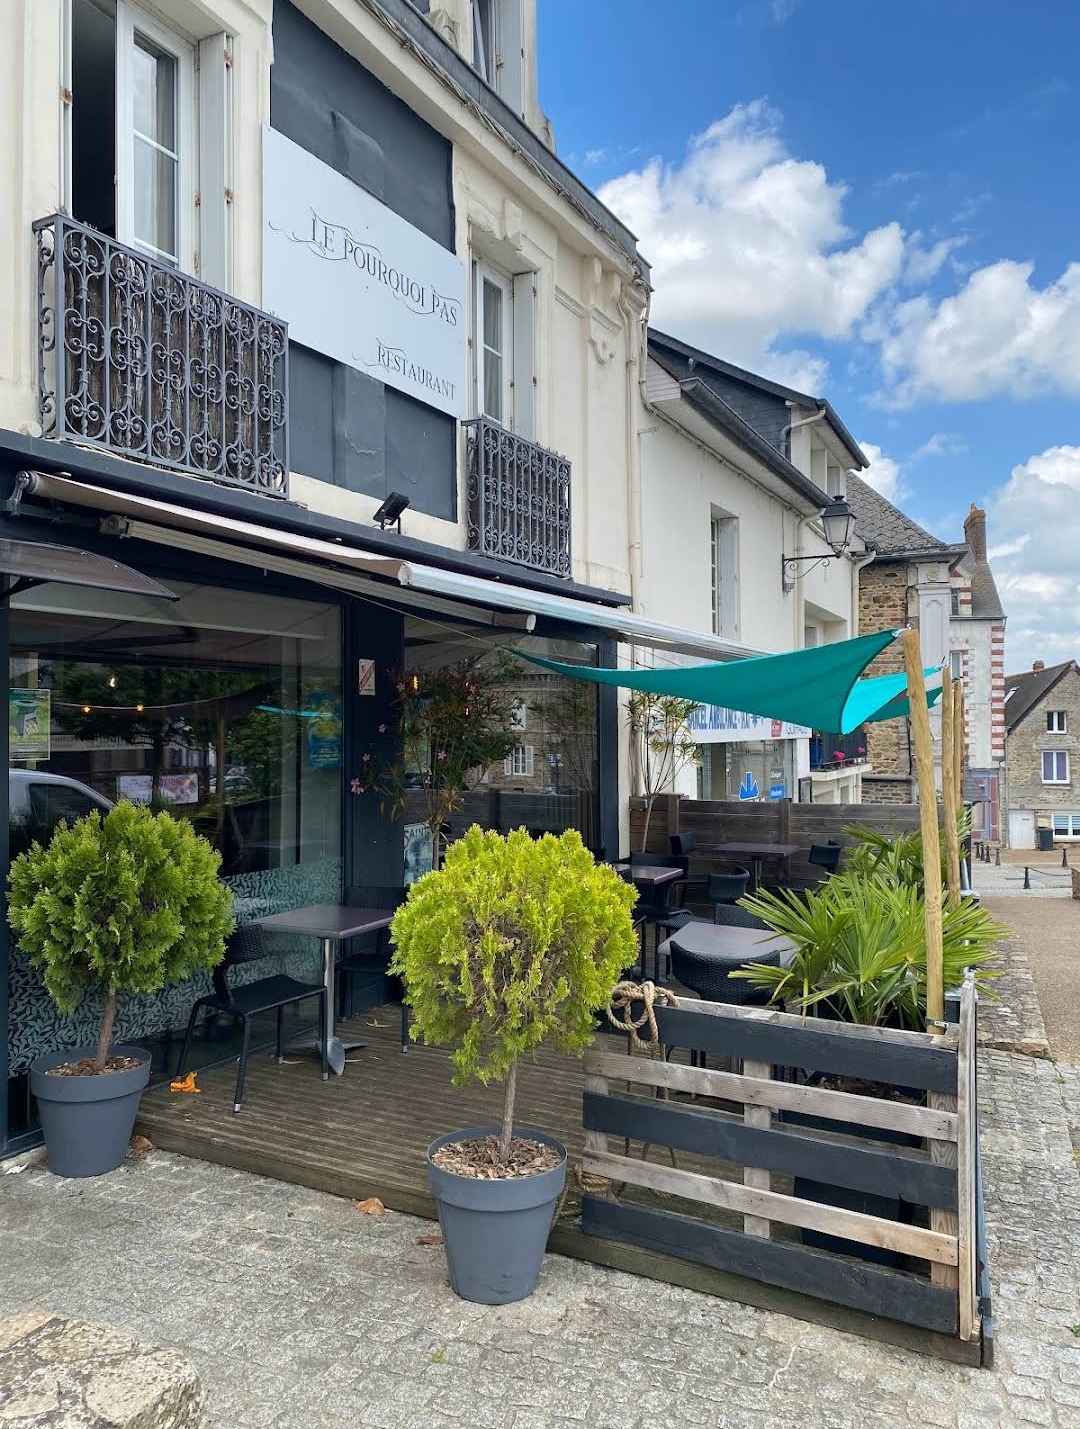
[
  {"x": 1042, "y": 783},
  {"x": 947, "y": 591}
]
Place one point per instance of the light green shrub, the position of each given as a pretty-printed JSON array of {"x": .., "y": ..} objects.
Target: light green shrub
[
  {"x": 128, "y": 902},
  {"x": 514, "y": 942}
]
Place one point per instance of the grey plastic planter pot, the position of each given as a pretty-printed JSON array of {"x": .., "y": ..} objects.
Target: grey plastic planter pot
[
  {"x": 495, "y": 1232},
  {"x": 87, "y": 1121}
]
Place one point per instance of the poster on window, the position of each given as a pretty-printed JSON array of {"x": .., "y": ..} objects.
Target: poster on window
[
  {"x": 324, "y": 732},
  {"x": 136, "y": 788},
  {"x": 29, "y": 725},
  {"x": 418, "y": 851},
  {"x": 358, "y": 283}
]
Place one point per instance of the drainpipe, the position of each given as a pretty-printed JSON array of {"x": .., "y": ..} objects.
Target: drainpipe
[
  {"x": 802, "y": 422},
  {"x": 634, "y": 306}
]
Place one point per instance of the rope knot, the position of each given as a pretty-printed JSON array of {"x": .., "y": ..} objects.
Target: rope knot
[{"x": 632, "y": 1006}]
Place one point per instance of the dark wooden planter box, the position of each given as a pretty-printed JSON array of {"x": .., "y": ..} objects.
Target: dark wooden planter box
[{"x": 811, "y": 1190}]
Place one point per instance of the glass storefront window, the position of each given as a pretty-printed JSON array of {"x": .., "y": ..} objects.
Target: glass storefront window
[{"x": 224, "y": 707}]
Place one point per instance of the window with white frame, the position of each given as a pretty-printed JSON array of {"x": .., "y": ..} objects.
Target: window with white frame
[
  {"x": 149, "y": 114},
  {"x": 1066, "y": 825},
  {"x": 519, "y": 719},
  {"x": 1057, "y": 722},
  {"x": 724, "y": 561},
  {"x": 498, "y": 34},
  {"x": 494, "y": 343},
  {"x": 1055, "y": 766},
  {"x": 956, "y": 664},
  {"x": 520, "y": 763}
]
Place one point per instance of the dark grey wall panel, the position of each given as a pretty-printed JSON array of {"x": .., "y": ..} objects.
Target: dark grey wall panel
[
  {"x": 313, "y": 80},
  {"x": 346, "y": 427}
]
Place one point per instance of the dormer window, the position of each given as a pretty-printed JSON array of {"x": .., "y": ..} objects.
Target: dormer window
[{"x": 498, "y": 32}]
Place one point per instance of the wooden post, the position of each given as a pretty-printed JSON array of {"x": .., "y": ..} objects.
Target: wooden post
[
  {"x": 959, "y": 738},
  {"x": 949, "y": 788},
  {"x": 759, "y": 1179},
  {"x": 923, "y": 743}
]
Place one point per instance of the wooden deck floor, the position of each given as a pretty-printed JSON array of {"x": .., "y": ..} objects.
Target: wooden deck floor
[{"x": 365, "y": 1134}]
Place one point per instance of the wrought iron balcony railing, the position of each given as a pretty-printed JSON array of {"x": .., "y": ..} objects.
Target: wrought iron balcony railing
[
  {"x": 518, "y": 498},
  {"x": 141, "y": 359}
]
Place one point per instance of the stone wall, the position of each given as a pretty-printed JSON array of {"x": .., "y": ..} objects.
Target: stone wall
[
  {"x": 887, "y": 790},
  {"x": 1024, "y": 750},
  {"x": 883, "y": 602}
]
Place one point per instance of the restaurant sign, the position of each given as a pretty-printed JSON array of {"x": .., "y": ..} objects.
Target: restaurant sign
[
  {"x": 356, "y": 282},
  {"x": 713, "y": 724}
]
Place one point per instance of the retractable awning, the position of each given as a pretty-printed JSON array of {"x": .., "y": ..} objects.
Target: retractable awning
[
  {"x": 344, "y": 567},
  {"x": 819, "y": 687},
  {"x": 34, "y": 563}
]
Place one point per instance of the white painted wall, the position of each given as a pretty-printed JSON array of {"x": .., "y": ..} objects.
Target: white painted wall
[{"x": 589, "y": 303}]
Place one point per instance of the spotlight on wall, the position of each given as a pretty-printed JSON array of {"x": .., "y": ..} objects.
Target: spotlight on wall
[{"x": 389, "y": 513}]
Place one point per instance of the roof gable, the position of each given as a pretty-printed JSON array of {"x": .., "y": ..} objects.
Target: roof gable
[{"x": 1027, "y": 690}]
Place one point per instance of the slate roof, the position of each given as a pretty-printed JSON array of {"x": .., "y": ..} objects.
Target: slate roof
[
  {"x": 985, "y": 601},
  {"x": 1023, "y": 692},
  {"x": 885, "y": 526}
]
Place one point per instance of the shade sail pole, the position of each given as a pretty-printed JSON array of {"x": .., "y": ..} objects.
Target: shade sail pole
[
  {"x": 959, "y": 739},
  {"x": 923, "y": 742},
  {"x": 949, "y": 787}
]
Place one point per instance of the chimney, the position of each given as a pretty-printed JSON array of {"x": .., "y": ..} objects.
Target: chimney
[
  {"x": 1039, "y": 665},
  {"x": 975, "y": 532}
]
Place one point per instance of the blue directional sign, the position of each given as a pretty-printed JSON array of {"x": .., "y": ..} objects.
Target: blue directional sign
[{"x": 748, "y": 789}]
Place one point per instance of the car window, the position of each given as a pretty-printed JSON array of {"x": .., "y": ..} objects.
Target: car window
[{"x": 54, "y": 804}]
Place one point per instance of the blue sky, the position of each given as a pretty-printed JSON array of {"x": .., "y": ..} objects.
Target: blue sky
[{"x": 874, "y": 201}]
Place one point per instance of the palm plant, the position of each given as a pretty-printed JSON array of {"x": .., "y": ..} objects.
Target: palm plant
[
  {"x": 897, "y": 857},
  {"x": 860, "y": 948}
]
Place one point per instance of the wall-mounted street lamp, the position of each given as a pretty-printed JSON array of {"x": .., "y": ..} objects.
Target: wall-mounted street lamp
[
  {"x": 389, "y": 513},
  {"x": 838, "y": 524}
]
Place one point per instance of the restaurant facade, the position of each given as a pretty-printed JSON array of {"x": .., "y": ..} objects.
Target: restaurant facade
[{"x": 331, "y": 387}]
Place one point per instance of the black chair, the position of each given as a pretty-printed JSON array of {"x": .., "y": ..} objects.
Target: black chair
[
  {"x": 709, "y": 974},
  {"x": 243, "y": 1002},
  {"x": 683, "y": 845},
  {"x": 731, "y": 916},
  {"x": 726, "y": 887},
  {"x": 365, "y": 961},
  {"x": 826, "y": 856}
]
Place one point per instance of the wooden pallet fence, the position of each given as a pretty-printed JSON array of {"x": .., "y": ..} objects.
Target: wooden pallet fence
[{"x": 766, "y": 1117}]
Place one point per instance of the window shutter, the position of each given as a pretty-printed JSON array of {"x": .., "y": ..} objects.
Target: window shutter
[
  {"x": 508, "y": 765},
  {"x": 524, "y": 369},
  {"x": 528, "y": 751},
  {"x": 215, "y": 151}
]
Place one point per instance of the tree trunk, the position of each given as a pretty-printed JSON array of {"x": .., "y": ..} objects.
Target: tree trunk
[
  {"x": 649, "y": 800},
  {"x": 105, "y": 1036},
  {"x": 507, "y": 1132}
]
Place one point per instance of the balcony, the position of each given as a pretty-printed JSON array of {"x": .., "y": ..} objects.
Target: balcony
[
  {"x": 518, "y": 499},
  {"x": 836, "y": 751},
  {"x": 149, "y": 363}
]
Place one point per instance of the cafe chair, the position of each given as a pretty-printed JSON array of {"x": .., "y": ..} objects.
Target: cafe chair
[
  {"x": 726, "y": 887},
  {"x": 246, "y": 1000},
  {"x": 683, "y": 845},
  {"x": 826, "y": 856},
  {"x": 731, "y": 916}
]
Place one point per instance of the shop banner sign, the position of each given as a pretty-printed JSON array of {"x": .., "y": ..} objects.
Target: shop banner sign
[
  {"x": 713, "y": 724},
  {"x": 29, "y": 725},
  {"x": 357, "y": 283}
]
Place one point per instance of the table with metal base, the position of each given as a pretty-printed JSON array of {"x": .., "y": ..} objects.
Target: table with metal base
[
  {"x": 757, "y": 854},
  {"x": 332, "y": 924}
]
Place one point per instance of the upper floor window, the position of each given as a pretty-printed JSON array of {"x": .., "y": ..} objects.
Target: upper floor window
[
  {"x": 956, "y": 664},
  {"x": 504, "y": 360},
  {"x": 724, "y": 553},
  {"x": 498, "y": 31},
  {"x": 149, "y": 133},
  {"x": 520, "y": 763},
  {"x": 1057, "y": 722},
  {"x": 954, "y": 600},
  {"x": 1055, "y": 767}
]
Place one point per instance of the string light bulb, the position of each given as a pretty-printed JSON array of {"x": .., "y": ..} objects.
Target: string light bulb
[
  {"x": 111, "y": 682},
  {"x": 86, "y": 709},
  {"x": 139, "y": 709}
]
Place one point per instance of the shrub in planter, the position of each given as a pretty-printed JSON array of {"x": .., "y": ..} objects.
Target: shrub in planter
[
  {"x": 515, "y": 942},
  {"x": 129, "y": 902}
]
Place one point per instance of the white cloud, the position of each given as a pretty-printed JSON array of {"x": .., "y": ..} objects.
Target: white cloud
[
  {"x": 748, "y": 244},
  {"x": 923, "y": 264},
  {"x": 883, "y": 473},
  {"x": 595, "y": 156},
  {"x": 940, "y": 444},
  {"x": 998, "y": 335},
  {"x": 1031, "y": 522},
  {"x": 783, "y": 10}
]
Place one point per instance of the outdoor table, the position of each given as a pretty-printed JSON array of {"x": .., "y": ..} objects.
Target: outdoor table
[
  {"x": 332, "y": 923},
  {"x": 647, "y": 875},
  {"x": 757, "y": 853},
  {"x": 729, "y": 944}
]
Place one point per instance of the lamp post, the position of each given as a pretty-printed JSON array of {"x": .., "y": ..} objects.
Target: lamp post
[{"x": 838, "y": 524}]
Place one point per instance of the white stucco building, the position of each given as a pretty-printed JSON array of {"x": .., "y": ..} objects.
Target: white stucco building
[{"x": 736, "y": 471}]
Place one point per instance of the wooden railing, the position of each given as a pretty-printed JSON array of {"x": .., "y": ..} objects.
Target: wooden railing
[{"x": 773, "y": 1161}]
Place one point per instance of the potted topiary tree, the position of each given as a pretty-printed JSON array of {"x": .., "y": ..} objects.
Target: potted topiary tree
[
  {"x": 514, "y": 942},
  {"x": 129, "y": 902}
]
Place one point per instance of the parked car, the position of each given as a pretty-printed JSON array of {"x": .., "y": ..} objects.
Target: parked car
[{"x": 38, "y": 802}]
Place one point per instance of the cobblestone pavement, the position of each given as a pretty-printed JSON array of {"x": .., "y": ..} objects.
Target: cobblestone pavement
[
  {"x": 302, "y": 1313},
  {"x": 1046, "y": 876}
]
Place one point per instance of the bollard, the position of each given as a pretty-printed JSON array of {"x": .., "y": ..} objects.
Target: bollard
[
  {"x": 997, "y": 858},
  {"x": 1027, "y": 877},
  {"x": 1064, "y": 858}
]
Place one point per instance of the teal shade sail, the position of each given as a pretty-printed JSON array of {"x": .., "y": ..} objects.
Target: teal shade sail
[{"x": 819, "y": 687}]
